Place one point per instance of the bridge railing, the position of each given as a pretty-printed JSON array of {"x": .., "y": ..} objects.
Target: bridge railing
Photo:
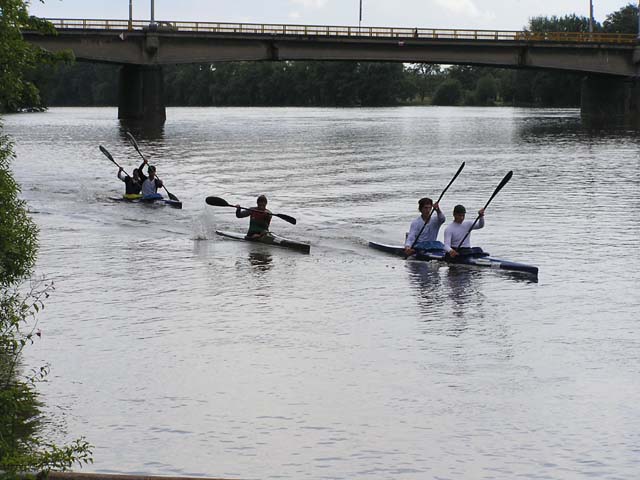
[{"x": 343, "y": 31}]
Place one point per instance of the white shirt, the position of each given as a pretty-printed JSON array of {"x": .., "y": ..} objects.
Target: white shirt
[
  {"x": 455, "y": 232},
  {"x": 430, "y": 232}
]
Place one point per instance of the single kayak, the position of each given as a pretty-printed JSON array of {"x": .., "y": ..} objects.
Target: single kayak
[
  {"x": 151, "y": 201},
  {"x": 269, "y": 239},
  {"x": 476, "y": 260}
]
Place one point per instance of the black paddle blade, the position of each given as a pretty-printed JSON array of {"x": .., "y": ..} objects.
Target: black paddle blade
[
  {"x": 286, "y": 218},
  {"x": 217, "y": 202},
  {"x": 106, "y": 153},
  {"x": 133, "y": 141},
  {"x": 172, "y": 196},
  {"x": 504, "y": 181}
]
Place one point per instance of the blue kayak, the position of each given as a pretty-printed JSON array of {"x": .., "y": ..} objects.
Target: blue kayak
[{"x": 476, "y": 259}]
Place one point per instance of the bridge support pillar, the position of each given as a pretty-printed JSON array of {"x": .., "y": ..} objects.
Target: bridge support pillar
[
  {"x": 141, "y": 94},
  {"x": 609, "y": 101}
]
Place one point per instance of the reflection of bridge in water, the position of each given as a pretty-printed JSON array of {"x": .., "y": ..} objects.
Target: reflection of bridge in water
[{"x": 609, "y": 61}]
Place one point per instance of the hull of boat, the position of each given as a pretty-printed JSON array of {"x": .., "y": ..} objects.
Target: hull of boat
[
  {"x": 472, "y": 260},
  {"x": 153, "y": 201},
  {"x": 270, "y": 239}
]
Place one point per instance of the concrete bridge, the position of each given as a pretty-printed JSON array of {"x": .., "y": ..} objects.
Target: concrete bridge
[{"x": 610, "y": 62}]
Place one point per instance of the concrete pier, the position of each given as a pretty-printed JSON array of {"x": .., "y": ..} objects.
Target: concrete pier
[
  {"x": 610, "y": 101},
  {"x": 141, "y": 93}
]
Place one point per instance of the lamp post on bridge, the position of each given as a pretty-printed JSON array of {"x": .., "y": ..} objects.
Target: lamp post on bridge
[
  {"x": 153, "y": 17},
  {"x": 130, "y": 15},
  {"x": 360, "y": 16},
  {"x": 591, "y": 16}
]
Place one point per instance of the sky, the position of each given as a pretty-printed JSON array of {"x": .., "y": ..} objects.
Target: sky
[{"x": 467, "y": 14}]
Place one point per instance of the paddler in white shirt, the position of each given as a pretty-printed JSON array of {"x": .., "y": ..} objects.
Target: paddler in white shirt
[
  {"x": 458, "y": 229},
  {"x": 429, "y": 235},
  {"x": 150, "y": 184}
]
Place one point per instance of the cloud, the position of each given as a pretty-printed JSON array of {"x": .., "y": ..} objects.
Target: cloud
[
  {"x": 310, "y": 3},
  {"x": 465, "y": 7}
]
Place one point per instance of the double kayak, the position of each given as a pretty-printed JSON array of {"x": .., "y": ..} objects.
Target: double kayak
[
  {"x": 269, "y": 239},
  {"x": 150, "y": 201},
  {"x": 475, "y": 260}
]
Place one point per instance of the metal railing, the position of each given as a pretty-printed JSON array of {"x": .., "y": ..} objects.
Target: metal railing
[{"x": 344, "y": 31}]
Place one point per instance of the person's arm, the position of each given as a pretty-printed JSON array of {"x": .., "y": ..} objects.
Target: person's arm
[
  {"x": 121, "y": 175},
  {"x": 480, "y": 223},
  {"x": 441, "y": 217},
  {"x": 158, "y": 184},
  {"x": 143, "y": 177},
  {"x": 240, "y": 213},
  {"x": 411, "y": 236},
  {"x": 447, "y": 239}
]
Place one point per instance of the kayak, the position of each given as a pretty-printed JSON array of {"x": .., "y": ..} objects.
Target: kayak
[
  {"x": 269, "y": 239},
  {"x": 476, "y": 260},
  {"x": 151, "y": 201}
]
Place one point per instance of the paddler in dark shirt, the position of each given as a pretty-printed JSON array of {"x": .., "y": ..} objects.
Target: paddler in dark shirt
[
  {"x": 133, "y": 184},
  {"x": 259, "y": 220}
]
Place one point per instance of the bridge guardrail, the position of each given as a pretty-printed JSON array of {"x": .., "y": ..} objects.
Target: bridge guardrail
[{"x": 344, "y": 31}]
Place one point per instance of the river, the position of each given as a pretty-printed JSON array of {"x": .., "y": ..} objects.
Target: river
[{"x": 177, "y": 352}]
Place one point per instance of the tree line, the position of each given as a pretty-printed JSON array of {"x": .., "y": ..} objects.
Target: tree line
[{"x": 344, "y": 84}]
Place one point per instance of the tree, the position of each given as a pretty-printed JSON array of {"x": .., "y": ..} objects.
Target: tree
[
  {"x": 17, "y": 57},
  {"x": 22, "y": 447},
  {"x": 448, "y": 92},
  {"x": 624, "y": 20},
  {"x": 486, "y": 91}
]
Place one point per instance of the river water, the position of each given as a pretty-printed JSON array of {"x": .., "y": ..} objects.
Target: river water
[{"x": 177, "y": 352}]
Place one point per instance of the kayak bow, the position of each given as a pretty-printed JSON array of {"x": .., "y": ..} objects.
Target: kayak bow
[{"x": 151, "y": 201}]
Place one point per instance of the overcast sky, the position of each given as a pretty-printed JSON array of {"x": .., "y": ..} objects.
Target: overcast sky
[{"x": 471, "y": 14}]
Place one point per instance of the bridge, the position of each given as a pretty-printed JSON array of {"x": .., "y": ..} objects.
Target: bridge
[{"x": 610, "y": 62}]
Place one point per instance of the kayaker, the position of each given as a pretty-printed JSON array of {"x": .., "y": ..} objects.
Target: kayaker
[
  {"x": 133, "y": 184},
  {"x": 259, "y": 220},
  {"x": 150, "y": 184},
  {"x": 456, "y": 231},
  {"x": 429, "y": 235}
]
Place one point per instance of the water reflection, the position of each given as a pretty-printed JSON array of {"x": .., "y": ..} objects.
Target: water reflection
[
  {"x": 260, "y": 262},
  {"x": 141, "y": 130},
  {"x": 425, "y": 277},
  {"x": 463, "y": 288}
]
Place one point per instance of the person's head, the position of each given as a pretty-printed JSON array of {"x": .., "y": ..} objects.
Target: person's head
[
  {"x": 152, "y": 171},
  {"x": 425, "y": 205},
  {"x": 458, "y": 213},
  {"x": 136, "y": 174},
  {"x": 262, "y": 201}
]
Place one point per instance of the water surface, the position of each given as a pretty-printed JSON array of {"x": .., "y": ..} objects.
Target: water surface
[{"x": 176, "y": 352}]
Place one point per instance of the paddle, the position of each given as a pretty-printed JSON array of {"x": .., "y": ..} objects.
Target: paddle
[
  {"x": 135, "y": 145},
  {"x": 438, "y": 201},
  {"x": 221, "y": 202},
  {"x": 504, "y": 181},
  {"x": 108, "y": 155}
]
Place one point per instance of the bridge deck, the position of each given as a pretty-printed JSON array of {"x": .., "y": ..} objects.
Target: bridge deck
[{"x": 344, "y": 31}]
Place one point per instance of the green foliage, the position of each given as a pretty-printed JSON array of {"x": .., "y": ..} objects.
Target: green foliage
[
  {"x": 568, "y": 23},
  {"x": 23, "y": 448},
  {"x": 448, "y": 92},
  {"x": 18, "y": 57},
  {"x": 624, "y": 20},
  {"x": 486, "y": 91},
  {"x": 18, "y": 233}
]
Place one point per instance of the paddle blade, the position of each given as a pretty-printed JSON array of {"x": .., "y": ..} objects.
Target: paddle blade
[
  {"x": 132, "y": 140},
  {"x": 217, "y": 202},
  {"x": 286, "y": 218},
  {"x": 106, "y": 153},
  {"x": 504, "y": 181},
  {"x": 172, "y": 196}
]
